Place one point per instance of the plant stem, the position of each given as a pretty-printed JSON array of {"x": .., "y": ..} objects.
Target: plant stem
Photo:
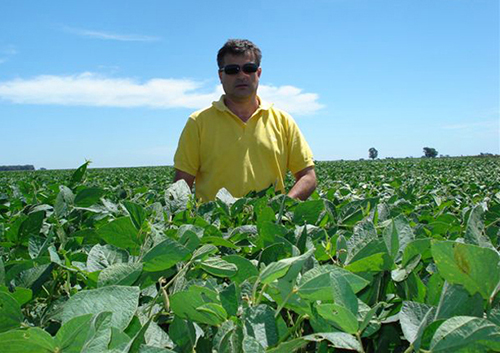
[
  {"x": 254, "y": 290},
  {"x": 292, "y": 329},
  {"x": 260, "y": 294},
  {"x": 163, "y": 288},
  {"x": 282, "y": 208},
  {"x": 409, "y": 349},
  {"x": 289, "y": 295},
  {"x": 358, "y": 336}
]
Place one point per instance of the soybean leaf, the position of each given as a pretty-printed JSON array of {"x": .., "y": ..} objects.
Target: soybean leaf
[
  {"x": 185, "y": 304},
  {"x": 177, "y": 196},
  {"x": 103, "y": 256},
  {"x": 251, "y": 345},
  {"x": 455, "y": 300},
  {"x": 78, "y": 174},
  {"x": 494, "y": 316},
  {"x": 368, "y": 315},
  {"x": 64, "y": 201},
  {"x": 308, "y": 212},
  {"x": 121, "y": 274},
  {"x": 246, "y": 269},
  {"x": 137, "y": 341},
  {"x": 372, "y": 263},
  {"x": 401, "y": 273},
  {"x": 341, "y": 246},
  {"x": 122, "y": 301},
  {"x": 289, "y": 346},
  {"x": 417, "y": 247},
  {"x": 165, "y": 255},
  {"x": 225, "y": 197},
  {"x": 189, "y": 240},
  {"x": 218, "y": 242},
  {"x": 339, "y": 316},
  {"x": 261, "y": 325},
  {"x": 72, "y": 335},
  {"x": 121, "y": 233},
  {"x": 218, "y": 267},
  {"x": 343, "y": 294},
  {"x": 119, "y": 340},
  {"x": 397, "y": 235},
  {"x": 214, "y": 309},
  {"x": 156, "y": 336},
  {"x": 20, "y": 294},
  {"x": 474, "y": 232},
  {"x": 31, "y": 226},
  {"x": 10, "y": 312},
  {"x": 280, "y": 268},
  {"x": 230, "y": 299},
  {"x": 136, "y": 212},
  {"x": 228, "y": 338},
  {"x": 414, "y": 318},
  {"x": 337, "y": 340},
  {"x": 434, "y": 289},
  {"x": 204, "y": 251},
  {"x": 88, "y": 196},
  {"x": 34, "y": 278},
  {"x": 364, "y": 243},
  {"x": 463, "y": 331},
  {"x": 182, "y": 332},
  {"x": 99, "y": 334},
  {"x": 316, "y": 283},
  {"x": 474, "y": 267},
  {"x": 31, "y": 340}
]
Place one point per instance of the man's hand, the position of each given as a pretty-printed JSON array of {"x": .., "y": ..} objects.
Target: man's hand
[
  {"x": 305, "y": 184},
  {"x": 188, "y": 178}
]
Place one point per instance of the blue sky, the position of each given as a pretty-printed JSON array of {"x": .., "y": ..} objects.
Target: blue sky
[{"x": 114, "y": 81}]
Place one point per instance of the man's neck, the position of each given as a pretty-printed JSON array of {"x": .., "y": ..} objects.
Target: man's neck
[{"x": 243, "y": 109}]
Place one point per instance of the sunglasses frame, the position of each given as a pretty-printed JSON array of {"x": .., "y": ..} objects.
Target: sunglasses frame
[{"x": 248, "y": 68}]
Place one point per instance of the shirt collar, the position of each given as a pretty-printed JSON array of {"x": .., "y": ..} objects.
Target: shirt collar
[{"x": 220, "y": 105}]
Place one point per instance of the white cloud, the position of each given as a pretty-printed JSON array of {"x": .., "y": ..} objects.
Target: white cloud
[
  {"x": 112, "y": 36},
  {"x": 291, "y": 99},
  {"x": 90, "y": 89}
]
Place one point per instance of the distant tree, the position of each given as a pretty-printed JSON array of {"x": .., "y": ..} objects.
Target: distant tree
[
  {"x": 372, "y": 153},
  {"x": 16, "y": 167},
  {"x": 430, "y": 152}
]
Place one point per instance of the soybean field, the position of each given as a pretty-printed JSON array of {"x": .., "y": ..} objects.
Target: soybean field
[{"x": 395, "y": 255}]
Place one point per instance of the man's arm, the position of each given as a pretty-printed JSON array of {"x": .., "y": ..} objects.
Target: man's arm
[
  {"x": 188, "y": 178},
  {"x": 305, "y": 184}
]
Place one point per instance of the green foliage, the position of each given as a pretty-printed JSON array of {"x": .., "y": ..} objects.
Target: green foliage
[
  {"x": 387, "y": 255},
  {"x": 430, "y": 152}
]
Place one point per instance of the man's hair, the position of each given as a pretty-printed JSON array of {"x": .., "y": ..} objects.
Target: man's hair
[{"x": 238, "y": 47}]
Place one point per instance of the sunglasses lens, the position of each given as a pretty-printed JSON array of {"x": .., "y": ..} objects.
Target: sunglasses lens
[
  {"x": 231, "y": 69},
  {"x": 250, "y": 68}
]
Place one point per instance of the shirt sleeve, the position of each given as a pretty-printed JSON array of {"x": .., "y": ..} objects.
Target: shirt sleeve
[
  {"x": 299, "y": 153},
  {"x": 187, "y": 156}
]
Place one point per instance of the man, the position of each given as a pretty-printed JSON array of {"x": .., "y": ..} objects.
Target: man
[{"x": 241, "y": 143}]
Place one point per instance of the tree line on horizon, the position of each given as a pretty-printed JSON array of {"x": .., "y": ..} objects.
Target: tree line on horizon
[{"x": 4, "y": 168}]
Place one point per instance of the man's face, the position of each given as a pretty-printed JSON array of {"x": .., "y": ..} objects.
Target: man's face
[{"x": 241, "y": 86}]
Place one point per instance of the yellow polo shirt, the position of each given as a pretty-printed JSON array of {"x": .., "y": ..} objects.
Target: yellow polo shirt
[{"x": 220, "y": 150}]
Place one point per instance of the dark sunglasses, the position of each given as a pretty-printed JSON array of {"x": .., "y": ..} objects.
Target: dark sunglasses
[{"x": 233, "y": 69}]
